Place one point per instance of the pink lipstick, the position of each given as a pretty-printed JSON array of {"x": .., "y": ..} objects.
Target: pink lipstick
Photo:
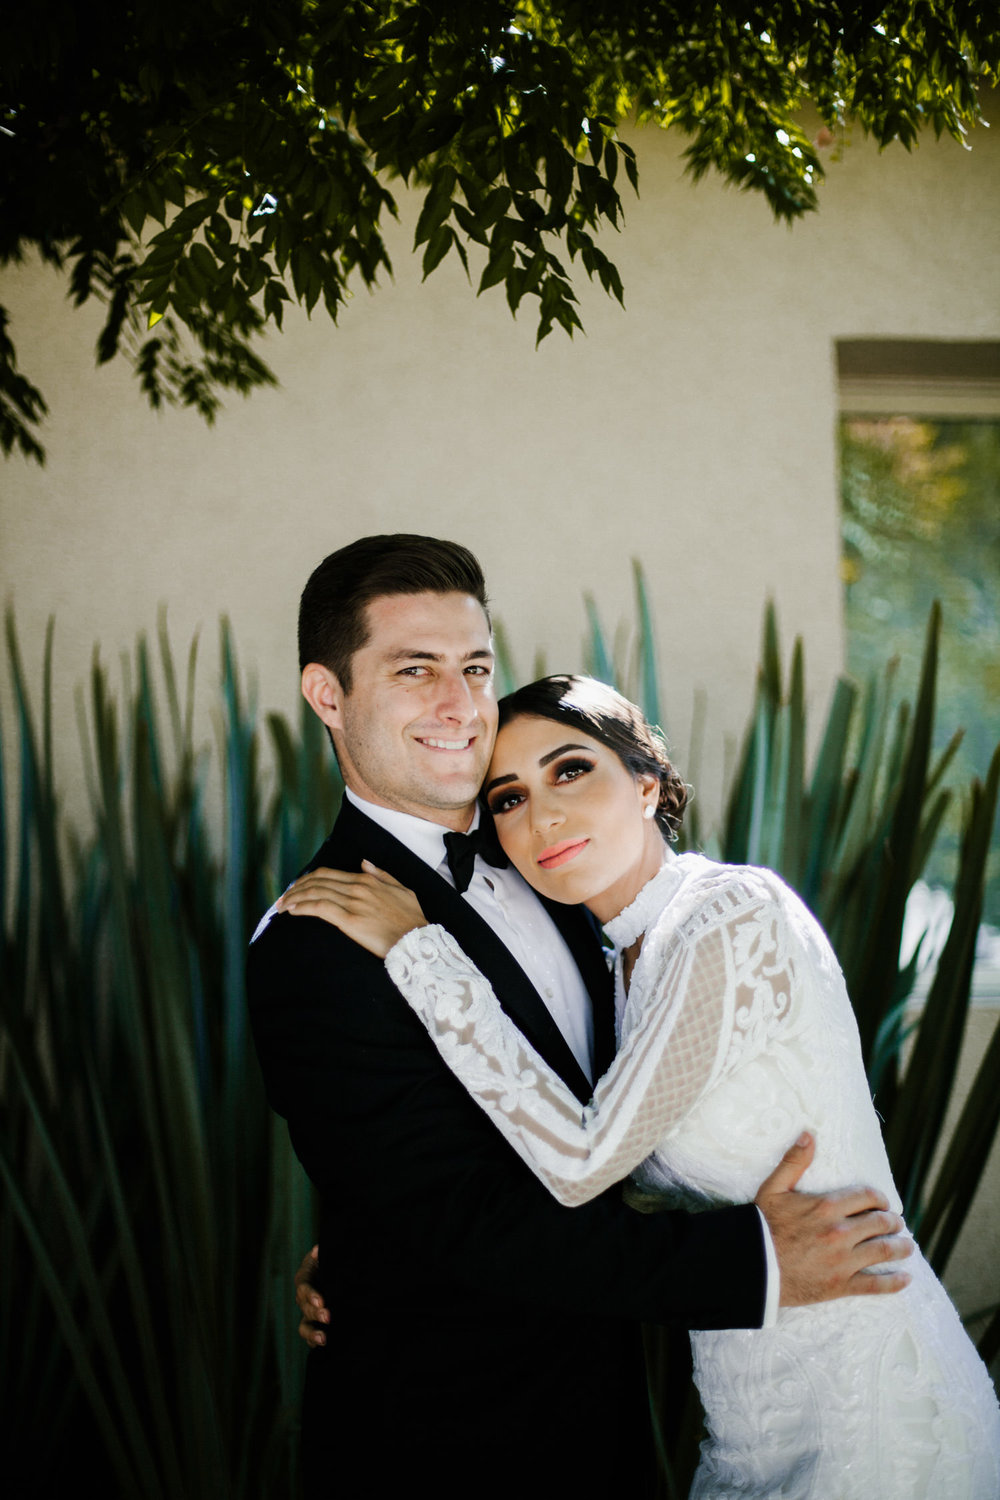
[{"x": 559, "y": 854}]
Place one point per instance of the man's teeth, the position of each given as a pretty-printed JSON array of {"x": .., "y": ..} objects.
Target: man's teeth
[{"x": 447, "y": 744}]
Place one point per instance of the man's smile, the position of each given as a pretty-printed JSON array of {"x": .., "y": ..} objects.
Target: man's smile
[{"x": 439, "y": 744}]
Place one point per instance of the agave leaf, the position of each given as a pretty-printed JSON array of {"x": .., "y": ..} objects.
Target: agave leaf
[
  {"x": 135, "y": 1276},
  {"x": 649, "y": 677},
  {"x": 507, "y": 679},
  {"x": 795, "y": 833},
  {"x": 822, "y": 810},
  {"x": 127, "y": 1420},
  {"x": 771, "y": 657},
  {"x": 72, "y": 1333},
  {"x": 596, "y": 655},
  {"x": 944, "y": 760},
  {"x": 989, "y": 1342},
  {"x": 926, "y": 1088},
  {"x": 964, "y": 1161}
]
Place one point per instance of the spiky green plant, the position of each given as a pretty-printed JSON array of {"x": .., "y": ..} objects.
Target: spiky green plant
[
  {"x": 152, "y": 1206},
  {"x": 853, "y": 839},
  {"x": 152, "y": 1211}
]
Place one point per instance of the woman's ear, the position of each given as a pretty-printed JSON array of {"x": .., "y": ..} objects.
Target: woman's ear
[{"x": 649, "y": 793}]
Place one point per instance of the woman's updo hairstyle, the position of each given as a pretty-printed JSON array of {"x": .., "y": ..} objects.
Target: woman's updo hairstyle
[{"x": 599, "y": 711}]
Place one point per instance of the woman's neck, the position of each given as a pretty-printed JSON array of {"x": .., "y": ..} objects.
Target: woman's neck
[{"x": 608, "y": 903}]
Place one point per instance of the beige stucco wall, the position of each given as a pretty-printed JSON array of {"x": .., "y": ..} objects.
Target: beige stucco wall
[{"x": 695, "y": 430}]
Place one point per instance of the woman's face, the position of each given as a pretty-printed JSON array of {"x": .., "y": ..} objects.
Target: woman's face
[{"x": 569, "y": 815}]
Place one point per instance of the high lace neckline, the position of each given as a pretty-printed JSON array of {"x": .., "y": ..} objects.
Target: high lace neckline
[{"x": 638, "y": 915}]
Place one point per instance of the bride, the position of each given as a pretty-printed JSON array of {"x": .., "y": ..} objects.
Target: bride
[{"x": 735, "y": 1030}]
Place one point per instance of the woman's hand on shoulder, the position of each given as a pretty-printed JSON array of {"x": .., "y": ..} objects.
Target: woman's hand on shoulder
[{"x": 370, "y": 908}]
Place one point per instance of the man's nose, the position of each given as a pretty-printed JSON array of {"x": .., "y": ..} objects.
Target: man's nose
[{"x": 455, "y": 699}]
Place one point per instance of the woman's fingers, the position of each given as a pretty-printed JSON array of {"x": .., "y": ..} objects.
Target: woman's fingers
[
  {"x": 371, "y": 907},
  {"x": 324, "y": 883},
  {"x": 382, "y": 876}
]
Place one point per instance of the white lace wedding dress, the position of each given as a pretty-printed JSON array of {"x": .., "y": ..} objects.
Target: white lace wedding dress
[{"x": 737, "y": 1033}]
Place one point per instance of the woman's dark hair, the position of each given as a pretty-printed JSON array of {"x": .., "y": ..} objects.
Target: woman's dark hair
[
  {"x": 601, "y": 712},
  {"x": 332, "y": 619}
]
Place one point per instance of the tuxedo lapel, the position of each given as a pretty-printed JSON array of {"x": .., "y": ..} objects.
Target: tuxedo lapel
[{"x": 356, "y": 837}]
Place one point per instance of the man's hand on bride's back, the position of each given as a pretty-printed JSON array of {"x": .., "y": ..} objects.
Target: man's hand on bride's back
[
  {"x": 370, "y": 907},
  {"x": 314, "y": 1312},
  {"x": 827, "y": 1243}
]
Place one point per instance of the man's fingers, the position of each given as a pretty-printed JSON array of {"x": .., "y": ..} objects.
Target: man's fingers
[
  {"x": 875, "y": 1225},
  {"x": 892, "y": 1244},
  {"x": 790, "y": 1168},
  {"x": 306, "y": 1293},
  {"x": 310, "y": 1302},
  {"x": 855, "y": 1202},
  {"x": 307, "y": 1265},
  {"x": 312, "y": 1334},
  {"x": 876, "y": 1284}
]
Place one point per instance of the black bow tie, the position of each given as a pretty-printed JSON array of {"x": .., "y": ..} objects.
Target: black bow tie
[{"x": 462, "y": 848}]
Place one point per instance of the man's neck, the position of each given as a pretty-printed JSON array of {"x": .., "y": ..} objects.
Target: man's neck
[{"x": 437, "y": 818}]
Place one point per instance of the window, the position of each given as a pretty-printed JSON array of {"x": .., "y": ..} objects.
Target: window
[{"x": 920, "y": 494}]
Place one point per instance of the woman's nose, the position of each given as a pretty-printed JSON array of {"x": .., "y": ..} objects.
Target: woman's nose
[{"x": 546, "y": 813}]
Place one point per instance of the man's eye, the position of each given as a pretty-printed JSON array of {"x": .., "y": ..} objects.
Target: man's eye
[
  {"x": 505, "y": 801},
  {"x": 478, "y": 671}
]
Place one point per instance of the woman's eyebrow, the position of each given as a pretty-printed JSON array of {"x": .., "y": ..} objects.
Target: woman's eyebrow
[{"x": 545, "y": 760}]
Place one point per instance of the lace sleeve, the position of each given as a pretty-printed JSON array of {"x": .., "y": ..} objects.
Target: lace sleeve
[{"x": 705, "y": 994}]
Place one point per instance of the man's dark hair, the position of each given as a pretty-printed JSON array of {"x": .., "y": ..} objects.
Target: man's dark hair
[{"x": 332, "y": 622}]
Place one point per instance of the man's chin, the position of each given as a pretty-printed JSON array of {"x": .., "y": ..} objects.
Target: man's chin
[{"x": 451, "y": 794}]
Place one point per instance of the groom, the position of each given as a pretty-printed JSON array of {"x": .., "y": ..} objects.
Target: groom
[{"x": 484, "y": 1340}]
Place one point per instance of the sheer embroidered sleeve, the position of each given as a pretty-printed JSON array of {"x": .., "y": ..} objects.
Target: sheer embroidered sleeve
[{"x": 712, "y": 982}]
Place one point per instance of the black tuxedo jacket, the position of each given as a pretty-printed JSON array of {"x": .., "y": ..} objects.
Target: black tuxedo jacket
[{"x": 483, "y": 1338}]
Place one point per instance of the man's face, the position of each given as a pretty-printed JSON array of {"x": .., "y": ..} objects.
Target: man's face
[{"x": 416, "y": 730}]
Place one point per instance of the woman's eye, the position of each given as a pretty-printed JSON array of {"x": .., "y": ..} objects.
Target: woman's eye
[
  {"x": 504, "y": 801},
  {"x": 569, "y": 770}
]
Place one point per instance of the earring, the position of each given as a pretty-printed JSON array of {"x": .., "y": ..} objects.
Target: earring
[{"x": 649, "y": 811}]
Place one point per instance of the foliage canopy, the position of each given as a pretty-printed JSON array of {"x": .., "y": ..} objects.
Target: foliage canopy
[{"x": 195, "y": 165}]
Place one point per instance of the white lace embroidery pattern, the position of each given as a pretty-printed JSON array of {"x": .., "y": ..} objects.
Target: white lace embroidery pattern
[{"x": 736, "y": 1033}]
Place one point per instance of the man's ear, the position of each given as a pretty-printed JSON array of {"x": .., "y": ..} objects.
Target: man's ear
[{"x": 322, "y": 691}]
